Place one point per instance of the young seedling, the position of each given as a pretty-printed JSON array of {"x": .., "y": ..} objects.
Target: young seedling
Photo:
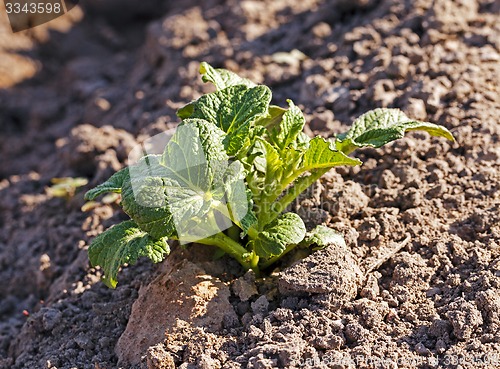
[
  {"x": 65, "y": 187},
  {"x": 228, "y": 174}
]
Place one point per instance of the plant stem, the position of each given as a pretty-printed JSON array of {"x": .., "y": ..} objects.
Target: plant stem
[
  {"x": 254, "y": 262},
  {"x": 275, "y": 258},
  {"x": 300, "y": 186},
  {"x": 231, "y": 247},
  {"x": 234, "y": 233},
  {"x": 253, "y": 233}
]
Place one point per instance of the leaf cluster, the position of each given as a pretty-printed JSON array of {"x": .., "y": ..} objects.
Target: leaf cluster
[{"x": 229, "y": 173}]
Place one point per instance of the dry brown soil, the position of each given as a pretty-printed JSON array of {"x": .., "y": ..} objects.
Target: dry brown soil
[{"x": 78, "y": 93}]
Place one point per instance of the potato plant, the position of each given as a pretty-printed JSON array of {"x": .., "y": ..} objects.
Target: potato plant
[{"x": 228, "y": 174}]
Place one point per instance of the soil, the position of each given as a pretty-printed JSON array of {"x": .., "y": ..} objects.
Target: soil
[{"x": 418, "y": 285}]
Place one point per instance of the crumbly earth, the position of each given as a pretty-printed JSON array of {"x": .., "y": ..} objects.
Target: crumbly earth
[{"x": 418, "y": 285}]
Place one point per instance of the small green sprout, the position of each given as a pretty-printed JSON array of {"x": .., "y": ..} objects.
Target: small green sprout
[{"x": 65, "y": 187}]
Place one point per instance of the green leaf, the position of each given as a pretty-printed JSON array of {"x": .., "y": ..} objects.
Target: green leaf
[
  {"x": 195, "y": 154},
  {"x": 285, "y": 230},
  {"x": 322, "y": 154},
  {"x": 238, "y": 197},
  {"x": 124, "y": 243},
  {"x": 186, "y": 111},
  {"x": 144, "y": 199},
  {"x": 303, "y": 141},
  {"x": 113, "y": 184},
  {"x": 234, "y": 110},
  {"x": 290, "y": 127},
  {"x": 273, "y": 118},
  {"x": 322, "y": 236},
  {"x": 267, "y": 160},
  {"x": 266, "y": 172},
  {"x": 222, "y": 78},
  {"x": 191, "y": 191},
  {"x": 381, "y": 126}
]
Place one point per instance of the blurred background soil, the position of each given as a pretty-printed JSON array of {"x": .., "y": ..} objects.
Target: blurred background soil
[{"x": 78, "y": 93}]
